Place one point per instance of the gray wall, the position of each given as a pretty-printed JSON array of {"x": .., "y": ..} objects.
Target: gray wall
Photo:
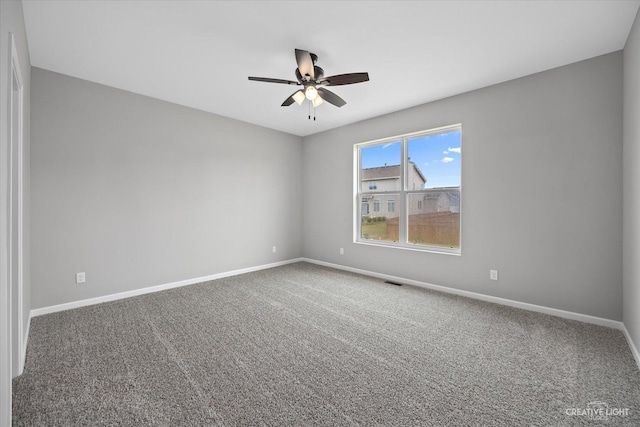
[
  {"x": 139, "y": 192},
  {"x": 541, "y": 182},
  {"x": 632, "y": 183},
  {"x": 12, "y": 21}
]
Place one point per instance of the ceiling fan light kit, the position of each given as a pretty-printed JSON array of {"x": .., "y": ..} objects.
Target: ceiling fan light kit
[
  {"x": 311, "y": 77},
  {"x": 310, "y": 92},
  {"x": 299, "y": 97}
]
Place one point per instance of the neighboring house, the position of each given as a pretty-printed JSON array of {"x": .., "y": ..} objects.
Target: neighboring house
[
  {"x": 446, "y": 199},
  {"x": 387, "y": 179}
]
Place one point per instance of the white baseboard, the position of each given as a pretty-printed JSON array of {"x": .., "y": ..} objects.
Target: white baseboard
[
  {"x": 488, "y": 298},
  {"x": 23, "y": 354},
  {"x": 632, "y": 346},
  {"x": 157, "y": 288}
]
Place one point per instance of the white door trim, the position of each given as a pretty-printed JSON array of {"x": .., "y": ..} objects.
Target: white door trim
[{"x": 16, "y": 171}]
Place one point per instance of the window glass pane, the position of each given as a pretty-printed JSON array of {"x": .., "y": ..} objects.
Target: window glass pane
[
  {"x": 381, "y": 170},
  {"x": 434, "y": 159},
  {"x": 408, "y": 190},
  {"x": 380, "y": 224},
  {"x": 434, "y": 218}
]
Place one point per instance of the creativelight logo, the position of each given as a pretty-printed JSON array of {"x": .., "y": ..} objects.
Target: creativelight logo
[{"x": 597, "y": 411}]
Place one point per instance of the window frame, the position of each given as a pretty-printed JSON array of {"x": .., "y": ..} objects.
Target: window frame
[{"x": 403, "y": 194}]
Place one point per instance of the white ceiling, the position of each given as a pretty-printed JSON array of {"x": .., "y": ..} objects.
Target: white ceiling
[{"x": 200, "y": 53}]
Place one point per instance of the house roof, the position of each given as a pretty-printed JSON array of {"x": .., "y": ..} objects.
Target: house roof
[
  {"x": 382, "y": 172},
  {"x": 386, "y": 172}
]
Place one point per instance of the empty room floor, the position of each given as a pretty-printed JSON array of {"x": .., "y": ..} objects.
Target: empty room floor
[{"x": 308, "y": 345}]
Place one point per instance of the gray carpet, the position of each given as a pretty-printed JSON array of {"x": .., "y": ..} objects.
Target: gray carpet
[{"x": 307, "y": 345}]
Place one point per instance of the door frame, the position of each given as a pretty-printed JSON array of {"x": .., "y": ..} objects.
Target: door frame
[{"x": 16, "y": 244}]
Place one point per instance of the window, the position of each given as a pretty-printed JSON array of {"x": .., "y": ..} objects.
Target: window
[{"x": 418, "y": 175}]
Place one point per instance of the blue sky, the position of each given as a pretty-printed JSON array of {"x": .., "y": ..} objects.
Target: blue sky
[{"x": 437, "y": 156}]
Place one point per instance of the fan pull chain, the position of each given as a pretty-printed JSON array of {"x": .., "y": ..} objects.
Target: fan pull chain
[{"x": 314, "y": 111}]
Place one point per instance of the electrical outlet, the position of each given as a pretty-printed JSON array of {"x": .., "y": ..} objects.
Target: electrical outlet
[
  {"x": 493, "y": 274},
  {"x": 80, "y": 277},
  {"x": 341, "y": 251},
  {"x": 274, "y": 249}
]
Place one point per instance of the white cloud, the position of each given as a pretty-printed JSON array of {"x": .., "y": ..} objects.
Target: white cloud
[
  {"x": 445, "y": 152},
  {"x": 455, "y": 150},
  {"x": 387, "y": 145},
  {"x": 447, "y": 160}
]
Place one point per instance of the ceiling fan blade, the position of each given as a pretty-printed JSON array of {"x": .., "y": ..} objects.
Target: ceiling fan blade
[
  {"x": 305, "y": 63},
  {"x": 269, "y": 80},
  {"x": 297, "y": 96},
  {"x": 331, "y": 97},
  {"x": 345, "y": 79},
  {"x": 288, "y": 101}
]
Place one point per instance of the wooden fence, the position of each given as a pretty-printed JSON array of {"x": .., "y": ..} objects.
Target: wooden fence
[{"x": 437, "y": 228}]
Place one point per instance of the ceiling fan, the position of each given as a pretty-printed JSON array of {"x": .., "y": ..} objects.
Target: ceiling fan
[{"x": 312, "y": 78}]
